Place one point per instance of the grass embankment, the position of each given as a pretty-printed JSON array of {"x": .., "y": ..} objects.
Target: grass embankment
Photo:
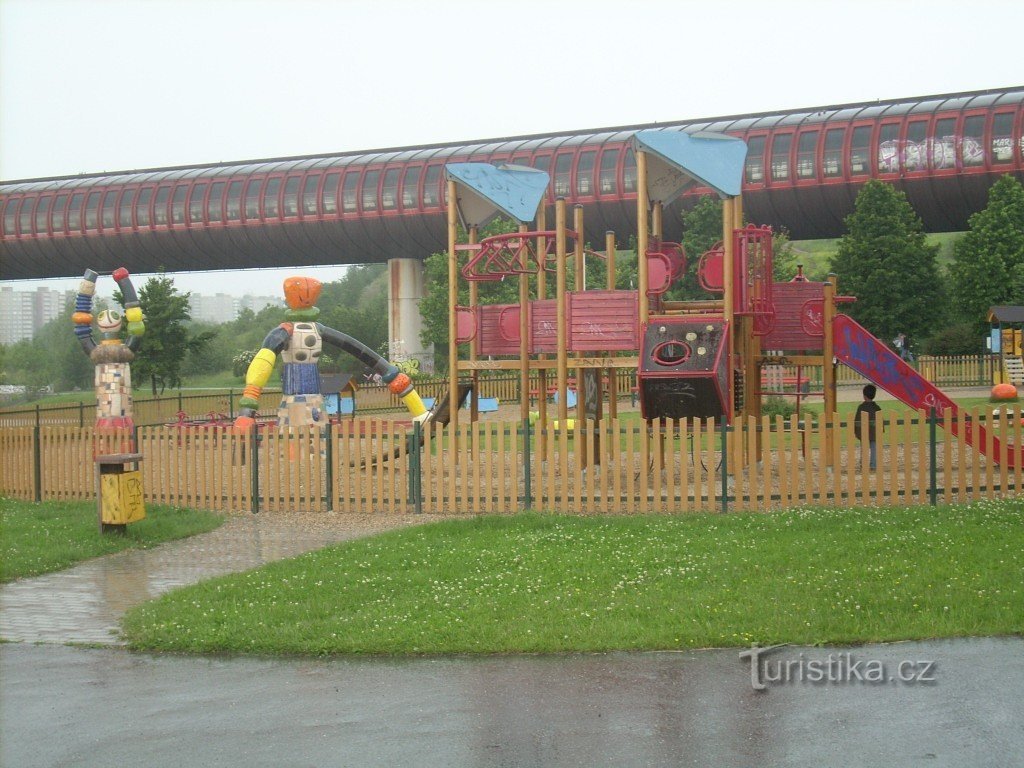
[
  {"x": 536, "y": 583},
  {"x": 39, "y": 538}
]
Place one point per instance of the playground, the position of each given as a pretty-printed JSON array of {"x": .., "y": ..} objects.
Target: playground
[{"x": 698, "y": 371}]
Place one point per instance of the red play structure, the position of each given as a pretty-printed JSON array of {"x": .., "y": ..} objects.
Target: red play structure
[{"x": 693, "y": 359}]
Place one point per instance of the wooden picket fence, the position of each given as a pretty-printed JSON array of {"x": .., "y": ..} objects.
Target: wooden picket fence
[
  {"x": 615, "y": 466},
  {"x": 968, "y": 370}
]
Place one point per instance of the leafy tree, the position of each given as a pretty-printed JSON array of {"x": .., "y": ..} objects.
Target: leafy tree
[
  {"x": 702, "y": 229},
  {"x": 167, "y": 340},
  {"x": 884, "y": 261},
  {"x": 988, "y": 261}
]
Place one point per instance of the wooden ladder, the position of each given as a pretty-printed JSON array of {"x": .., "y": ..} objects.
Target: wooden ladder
[{"x": 1014, "y": 370}]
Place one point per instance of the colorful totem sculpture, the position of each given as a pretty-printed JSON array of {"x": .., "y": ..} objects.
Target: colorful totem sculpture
[
  {"x": 111, "y": 356},
  {"x": 299, "y": 342}
]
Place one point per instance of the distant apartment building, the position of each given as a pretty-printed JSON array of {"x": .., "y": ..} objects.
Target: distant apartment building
[
  {"x": 23, "y": 313},
  {"x": 223, "y": 308}
]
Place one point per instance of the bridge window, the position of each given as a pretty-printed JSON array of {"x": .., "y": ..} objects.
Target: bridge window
[
  {"x": 348, "y": 192},
  {"x": 75, "y": 212},
  {"x": 833, "y": 157},
  {"x": 329, "y": 197},
  {"x": 160, "y": 206},
  {"x": 585, "y": 174},
  {"x": 972, "y": 145},
  {"x": 563, "y": 165},
  {"x": 42, "y": 214},
  {"x": 92, "y": 205},
  {"x": 754, "y": 167},
  {"x": 780, "y": 156},
  {"x": 806, "y": 149},
  {"x": 542, "y": 162},
  {"x": 915, "y": 149},
  {"x": 430, "y": 182},
  {"x": 944, "y": 144},
  {"x": 888, "y": 148},
  {"x": 25, "y": 217},
  {"x": 178, "y": 204},
  {"x": 629, "y": 171},
  {"x": 389, "y": 189},
  {"x": 860, "y": 151},
  {"x": 252, "y": 199},
  {"x": 124, "y": 211},
  {"x": 370, "y": 190},
  {"x": 290, "y": 199},
  {"x": 57, "y": 214},
  {"x": 142, "y": 207},
  {"x": 107, "y": 209},
  {"x": 607, "y": 181},
  {"x": 410, "y": 187},
  {"x": 271, "y": 208},
  {"x": 309, "y": 186},
  {"x": 216, "y": 204},
  {"x": 195, "y": 204},
  {"x": 10, "y": 215},
  {"x": 234, "y": 201},
  {"x": 1002, "y": 138}
]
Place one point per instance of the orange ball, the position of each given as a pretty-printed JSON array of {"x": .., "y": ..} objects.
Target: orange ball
[
  {"x": 301, "y": 292},
  {"x": 1004, "y": 391}
]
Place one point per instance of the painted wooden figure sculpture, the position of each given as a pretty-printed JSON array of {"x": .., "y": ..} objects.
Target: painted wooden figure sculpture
[
  {"x": 299, "y": 341},
  {"x": 111, "y": 356}
]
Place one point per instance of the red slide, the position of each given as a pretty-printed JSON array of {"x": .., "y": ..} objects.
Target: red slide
[{"x": 859, "y": 350}]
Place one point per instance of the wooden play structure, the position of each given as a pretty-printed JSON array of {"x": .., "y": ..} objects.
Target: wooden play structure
[{"x": 693, "y": 359}]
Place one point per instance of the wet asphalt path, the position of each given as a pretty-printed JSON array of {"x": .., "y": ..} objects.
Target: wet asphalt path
[{"x": 66, "y": 706}]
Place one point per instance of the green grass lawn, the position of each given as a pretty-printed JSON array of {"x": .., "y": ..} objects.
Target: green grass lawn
[
  {"x": 39, "y": 538},
  {"x": 540, "y": 583}
]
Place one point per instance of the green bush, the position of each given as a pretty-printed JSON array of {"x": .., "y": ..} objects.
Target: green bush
[
  {"x": 961, "y": 339},
  {"x": 778, "y": 406}
]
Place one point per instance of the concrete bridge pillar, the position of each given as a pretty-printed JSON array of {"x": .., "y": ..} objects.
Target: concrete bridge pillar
[{"x": 405, "y": 289}]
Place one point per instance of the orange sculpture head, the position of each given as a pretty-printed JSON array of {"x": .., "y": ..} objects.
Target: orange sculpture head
[{"x": 301, "y": 292}]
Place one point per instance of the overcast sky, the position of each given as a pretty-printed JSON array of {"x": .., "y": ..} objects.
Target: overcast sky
[{"x": 111, "y": 85}]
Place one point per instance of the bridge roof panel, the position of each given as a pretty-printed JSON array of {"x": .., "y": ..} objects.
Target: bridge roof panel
[{"x": 1013, "y": 97}]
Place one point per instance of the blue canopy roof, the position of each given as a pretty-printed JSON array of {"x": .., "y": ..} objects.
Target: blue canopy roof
[
  {"x": 488, "y": 190},
  {"x": 698, "y": 159}
]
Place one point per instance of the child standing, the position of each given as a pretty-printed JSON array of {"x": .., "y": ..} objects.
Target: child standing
[{"x": 870, "y": 407}]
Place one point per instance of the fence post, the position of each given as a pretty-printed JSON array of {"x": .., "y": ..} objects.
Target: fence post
[
  {"x": 527, "y": 477},
  {"x": 231, "y": 404},
  {"x": 329, "y": 460},
  {"x": 180, "y": 408},
  {"x": 81, "y": 414},
  {"x": 415, "y": 469},
  {"x": 37, "y": 464},
  {"x": 725, "y": 466},
  {"x": 933, "y": 491},
  {"x": 254, "y": 470},
  {"x": 37, "y": 415}
]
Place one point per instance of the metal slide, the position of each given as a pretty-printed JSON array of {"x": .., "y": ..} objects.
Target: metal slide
[{"x": 856, "y": 348}]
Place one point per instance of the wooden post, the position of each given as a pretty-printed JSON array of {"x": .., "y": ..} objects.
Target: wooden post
[
  {"x": 828, "y": 370},
  {"x": 642, "y": 229},
  {"x": 542, "y": 373},
  {"x": 524, "y": 340},
  {"x": 613, "y": 384},
  {"x": 453, "y": 300},
  {"x": 579, "y": 267},
  {"x": 656, "y": 217},
  {"x": 560, "y": 287},
  {"x": 729, "y": 315},
  {"x": 474, "y": 299}
]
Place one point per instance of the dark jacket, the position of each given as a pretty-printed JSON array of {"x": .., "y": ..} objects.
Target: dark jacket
[{"x": 870, "y": 407}]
